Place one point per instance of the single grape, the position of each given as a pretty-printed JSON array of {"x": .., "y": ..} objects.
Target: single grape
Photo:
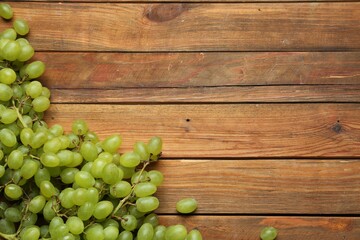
[
  {"x": 11, "y": 50},
  {"x": 6, "y": 92},
  {"x": 103, "y": 209},
  {"x": 37, "y": 204},
  {"x": 176, "y": 232},
  {"x": 144, "y": 189},
  {"x": 48, "y": 210},
  {"x": 13, "y": 214},
  {"x": 66, "y": 198},
  {"x": 95, "y": 232},
  {"x": 80, "y": 196},
  {"x": 21, "y": 26},
  {"x": 268, "y": 233},
  {"x": 139, "y": 176},
  {"x": 42, "y": 174},
  {"x": 50, "y": 160},
  {"x": 156, "y": 177},
  {"x": 120, "y": 189},
  {"x": 75, "y": 225},
  {"x": 26, "y": 52},
  {"x": 186, "y": 205},
  {"x": 9, "y": 34},
  {"x": 26, "y": 136},
  {"x": 15, "y": 159},
  {"x": 125, "y": 235},
  {"x": 86, "y": 210},
  {"x": 2, "y": 170},
  {"x": 13, "y": 191},
  {"x": 6, "y": 11},
  {"x": 47, "y": 189},
  {"x": 79, "y": 127},
  {"x": 66, "y": 157},
  {"x": 9, "y": 116},
  {"x": 68, "y": 175},
  {"x": 7, "y": 76},
  {"x": 159, "y": 232},
  {"x": 129, "y": 159},
  {"x": 194, "y": 235},
  {"x": 111, "y": 233},
  {"x": 84, "y": 179},
  {"x": 111, "y": 174},
  {"x": 53, "y": 145},
  {"x": 34, "y": 69},
  {"x": 89, "y": 151},
  {"x": 31, "y": 233},
  {"x": 34, "y": 89},
  {"x": 146, "y": 232},
  {"x": 129, "y": 222},
  {"x": 153, "y": 219},
  {"x": 147, "y": 204},
  {"x": 29, "y": 169},
  {"x": 7, "y": 227},
  {"x": 155, "y": 145},
  {"x": 142, "y": 150},
  {"x": 111, "y": 144},
  {"x": 40, "y": 104}
]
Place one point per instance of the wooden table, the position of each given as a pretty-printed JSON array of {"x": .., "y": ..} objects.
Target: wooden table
[{"x": 257, "y": 103}]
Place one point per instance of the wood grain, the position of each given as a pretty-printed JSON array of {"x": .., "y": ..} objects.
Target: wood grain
[
  {"x": 260, "y": 94},
  {"x": 227, "y": 130},
  {"x": 248, "y": 228},
  {"x": 192, "y": 27},
  {"x": 155, "y": 70},
  {"x": 283, "y": 186}
]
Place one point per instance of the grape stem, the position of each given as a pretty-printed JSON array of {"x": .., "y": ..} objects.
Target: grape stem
[
  {"x": 19, "y": 116},
  {"x": 8, "y": 236}
]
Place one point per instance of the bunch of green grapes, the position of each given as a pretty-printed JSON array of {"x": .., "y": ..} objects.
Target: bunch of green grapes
[{"x": 64, "y": 186}]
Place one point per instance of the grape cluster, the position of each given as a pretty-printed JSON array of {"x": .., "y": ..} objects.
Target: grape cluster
[{"x": 57, "y": 185}]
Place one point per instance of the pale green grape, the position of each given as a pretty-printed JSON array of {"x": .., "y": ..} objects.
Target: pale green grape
[
  {"x": 111, "y": 233},
  {"x": 129, "y": 159},
  {"x": 7, "y": 76},
  {"x": 155, "y": 145},
  {"x": 40, "y": 104},
  {"x": 89, "y": 151},
  {"x": 146, "y": 232},
  {"x": 68, "y": 175},
  {"x": 11, "y": 50},
  {"x": 125, "y": 235},
  {"x": 147, "y": 204},
  {"x": 27, "y": 51},
  {"x": 7, "y": 227},
  {"x": 128, "y": 172},
  {"x": 8, "y": 138},
  {"x": 120, "y": 189},
  {"x": 139, "y": 176},
  {"x": 56, "y": 129},
  {"x": 153, "y": 219},
  {"x": 46, "y": 93},
  {"x": 29, "y": 169},
  {"x": 53, "y": 145},
  {"x": 66, "y": 197},
  {"x": 86, "y": 211},
  {"x": 42, "y": 174},
  {"x": 15, "y": 159},
  {"x": 34, "y": 69},
  {"x": 37, "y": 204},
  {"x": 129, "y": 222},
  {"x": 75, "y": 225},
  {"x": 66, "y": 157},
  {"x": 111, "y": 144},
  {"x": 31, "y": 233},
  {"x": 77, "y": 160},
  {"x": 103, "y": 209},
  {"x": 38, "y": 139},
  {"x": 79, "y": 127},
  {"x": 111, "y": 174},
  {"x": 47, "y": 189},
  {"x": 142, "y": 150},
  {"x": 34, "y": 89},
  {"x": 97, "y": 167},
  {"x": 84, "y": 179},
  {"x": 156, "y": 177},
  {"x": 144, "y": 189},
  {"x": 6, "y": 11},
  {"x": 186, "y": 205},
  {"x": 50, "y": 160},
  {"x": 268, "y": 233},
  {"x": 159, "y": 232},
  {"x": 194, "y": 235},
  {"x": 2, "y": 170},
  {"x": 176, "y": 232},
  {"x": 13, "y": 214},
  {"x": 93, "y": 195},
  {"x": 80, "y": 196},
  {"x": 95, "y": 232},
  {"x": 9, "y": 34},
  {"x": 6, "y": 92},
  {"x": 13, "y": 191},
  {"x": 8, "y": 116},
  {"x": 48, "y": 210},
  {"x": 26, "y": 136},
  {"x": 21, "y": 26}
]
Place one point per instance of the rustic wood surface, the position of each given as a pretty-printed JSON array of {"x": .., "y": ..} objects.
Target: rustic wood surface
[{"x": 257, "y": 101}]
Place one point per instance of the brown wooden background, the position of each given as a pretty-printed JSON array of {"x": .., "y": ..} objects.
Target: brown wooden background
[{"x": 257, "y": 103}]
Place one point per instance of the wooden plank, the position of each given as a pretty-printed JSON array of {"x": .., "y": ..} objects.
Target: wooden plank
[
  {"x": 248, "y": 228},
  {"x": 119, "y": 70},
  {"x": 192, "y": 27},
  {"x": 284, "y": 186},
  {"x": 227, "y": 130},
  {"x": 183, "y": 1},
  {"x": 314, "y": 93}
]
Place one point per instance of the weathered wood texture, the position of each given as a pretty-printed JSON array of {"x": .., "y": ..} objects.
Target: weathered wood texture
[
  {"x": 227, "y": 130},
  {"x": 193, "y": 27},
  {"x": 262, "y": 186},
  {"x": 154, "y": 70},
  {"x": 290, "y": 228}
]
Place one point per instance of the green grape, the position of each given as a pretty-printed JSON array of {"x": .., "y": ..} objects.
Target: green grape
[
  {"x": 144, "y": 189},
  {"x": 7, "y": 76},
  {"x": 37, "y": 204},
  {"x": 66, "y": 157},
  {"x": 7, "y": 227},
  {"x": 15, "y": 159},
  {"x": 155, "y": 145},
  {"x": 107, "y": 157},
  {"x": 84, "y": 179},
  {"x": 147, "y": 204},
  {"x": 26, "y": 120},
  {"x": 6, "y": 11},
  {"x": 194, "y": 235},
  {"x": 60, "y": 231},
  {"x": 1, "y": 155},
  {"x": 132, "y": 210},
  {"x": 38, "y": 139},
  {"x": 146, "y": 232},
  {"x": 14, "y": 128},
  {"x": 268, "y": 233},
  {"x": 13, "y": 191},
  {"x": 120, "y": 189},
  {"x": 74, "y": 140},
  {"x": 48, "y": 210},
  {"x": 40, "y": 104},
  {"x": 11, "y": 50},
  {"x": 66, "y": 198},
  {"x": 156, "y": 177},
  {"x": 2, "y": 170},
  {"x": 87, "y": 167},
  {"x": 97, "y": 167},
  {"x": 29, "y": 169},
  {"x": 26, "y": 136},
  {"x": 95, "y": 232},
  {"x": 9, "y": 34},
  {"x": 50, "y": 160},
  {"x": 103, "y": 209},
  {"x": 176, "y": 232},
  {"x": 142, "y": 150},
  {"x": 139, "y": 176},
  {"x": 111, "y": 144},
  {"x": 86, "y": 211},
  {"x": 21, "y": 26},
  {"x": 110, "y": 222},
  {"x": 125, "y": 235},
  {"x": 18, "y": 92},
  {"x": 77, "y": 160},
  {"x": 79, "y": 127},
  {"x": 75, "y": 225},
  {"x": 129, "y": 159},
  {"x": 89, "y": 151},
  {"x": 159, "y": 232},
  {"x": 56, "y": 129},
  {"x": 47, "y": 189},
  {"x": 65, "y": 142},
  {"x": 8, "y": 116},
  {"x": 153, "y": 219},
  {"x": 93, "y": 195},
  {"x": 22, "y": 41},
  {"x": 186, "y": 205},
  {"x": 53, "y": 145},
  {"x": 128, "y": 172},
  {"x": 34, "y": 69},
  {"x": 44, "y": 231},
  {"x": 129, "y": 222},
  {"x": 80, "y": 196},
  {"x": 26, "y": 52},
  {"x": 55, "y": 223},
  {"x": 6, "y": 92},
  {"x": 34, "y": 89},
  {"x": 111, "y": 233},
  {"x": 111, "y": 174},
  {"x": 42, "y": 174},
  {"x": 13, "y": 214},
  {"x": 31, "y": 233},
  {"x": 68, "y": 175}
]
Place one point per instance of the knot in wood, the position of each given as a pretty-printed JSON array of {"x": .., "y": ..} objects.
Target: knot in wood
[
  {"x": 337, "y": 127},
  {"x": 163, "y": 12}
]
